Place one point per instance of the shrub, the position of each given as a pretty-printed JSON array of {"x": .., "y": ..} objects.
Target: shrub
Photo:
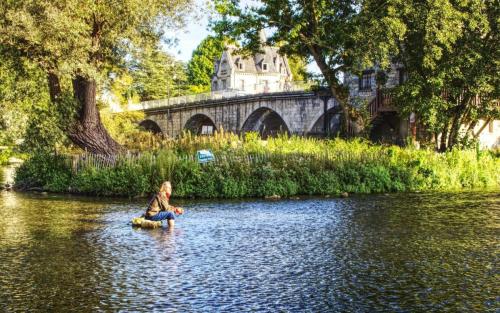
[{"x": 48, "y": 171}]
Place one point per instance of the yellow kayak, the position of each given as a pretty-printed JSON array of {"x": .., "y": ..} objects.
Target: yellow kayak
[{"x": 144, "y": 223}]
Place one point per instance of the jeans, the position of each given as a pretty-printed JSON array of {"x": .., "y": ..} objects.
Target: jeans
[{"x": 162, "y": 215}]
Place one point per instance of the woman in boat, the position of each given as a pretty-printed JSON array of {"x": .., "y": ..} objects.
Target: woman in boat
[{"x": 159, "y": 209}]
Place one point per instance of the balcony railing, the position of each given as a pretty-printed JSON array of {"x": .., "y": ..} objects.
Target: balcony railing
[{"x": 381, "y": 102}]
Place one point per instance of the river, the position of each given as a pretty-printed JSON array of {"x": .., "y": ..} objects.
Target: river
[{"x": 378, "y": 253}]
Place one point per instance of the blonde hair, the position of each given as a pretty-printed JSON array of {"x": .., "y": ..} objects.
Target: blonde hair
[{"x": 165, "y": 185}]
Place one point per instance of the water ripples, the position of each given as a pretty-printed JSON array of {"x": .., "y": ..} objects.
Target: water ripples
[{"x": 394, "y": 253}]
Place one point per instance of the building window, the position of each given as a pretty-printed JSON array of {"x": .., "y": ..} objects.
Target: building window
[
  {"x": 403, "y": 76},
  {"x": 223, "y": 84},
  {"x": 223, "y": 68},
  {"x": 365, "y": 81},
  {"x": 242, "y": 84},
  {"x": 215, "y": 86},
  {"x": 240, "y": 66},
  {"x": 264, "y": 67},
  {"x": 207, "y": 129}
]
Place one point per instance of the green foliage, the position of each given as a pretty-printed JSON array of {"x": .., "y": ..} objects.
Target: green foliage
[
  {"x": 43, "y": 131},
  {"x": 22, "y": 88},
  {"x": 336, "y": 35},
  {"x": 201, "y": 66},
  {"x": 451, "y": 56},
  {"x": 76, "y": 43},
  {"x": 43, "y": 170},
  {"x": 123, "y": 89},
  {"x": 298, "y": 66},
  {"x": 124, "y": 179},
  {"x": 84, "y": 36},
  {"x": 123, "y": 126},
  {"x": 284, "y": 166},
  {"x": 5, "y": 154},
  {"x": 157, "y": 75}
]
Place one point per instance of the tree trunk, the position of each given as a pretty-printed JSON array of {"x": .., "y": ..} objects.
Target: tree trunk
[
  {"x": 460, "y": 115},
  {"x": 470, "y": 129},
  {"x": 335, "y": 88},
  {"x": 88, "y": 132},
  {"x": 453, "y": 134},
  {"x": 444, "y": 139},
  {"x": 486, "y": 122},
  {"x": 344, "y": 126},
  {"x": 54, "y": 87}
]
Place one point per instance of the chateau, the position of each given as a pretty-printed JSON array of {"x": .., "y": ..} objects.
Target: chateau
[{"x": 263, "y": 72}]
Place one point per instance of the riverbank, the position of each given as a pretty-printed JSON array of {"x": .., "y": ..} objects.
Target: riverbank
[{"x": 281, "y": 167}]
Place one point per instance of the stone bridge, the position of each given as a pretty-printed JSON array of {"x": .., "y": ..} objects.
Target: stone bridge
[{"x": 300, "y": 113}]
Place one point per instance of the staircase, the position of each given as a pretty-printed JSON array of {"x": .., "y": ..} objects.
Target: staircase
[{"x": 381, "y": 103}]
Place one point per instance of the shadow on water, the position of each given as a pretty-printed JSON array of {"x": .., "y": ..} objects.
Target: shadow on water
[{"x": 398, "y": 253}]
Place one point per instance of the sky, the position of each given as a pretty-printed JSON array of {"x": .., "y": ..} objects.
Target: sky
[{"x": 189, "y": 37}]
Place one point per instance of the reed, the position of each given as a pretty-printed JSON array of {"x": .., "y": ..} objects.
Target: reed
[{"x": 246, "y": 166}]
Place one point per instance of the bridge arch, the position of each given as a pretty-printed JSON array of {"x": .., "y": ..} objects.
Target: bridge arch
[
  {"x": 265, "y": 121},
  {"x": 151, "y": 126},
  {"x": 200, "y": 124},
  {"x": 333, "y": 123}
]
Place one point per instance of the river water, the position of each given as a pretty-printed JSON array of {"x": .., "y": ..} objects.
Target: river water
[{"x": 381, "y": 253}]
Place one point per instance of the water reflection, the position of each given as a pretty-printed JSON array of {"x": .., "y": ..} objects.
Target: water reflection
[
  {"x": 368, "y": 253},
  {"x": 7, "y": 174}
]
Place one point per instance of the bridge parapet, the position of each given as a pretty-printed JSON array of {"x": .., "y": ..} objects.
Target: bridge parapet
[{"x": 208, "y": 96}]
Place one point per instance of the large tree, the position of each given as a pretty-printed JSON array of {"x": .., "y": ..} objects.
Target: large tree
[
  {"x": 450, "y": 53},
  {"x": 75, "y": 42},
  {"x": 331, "y": 33}
]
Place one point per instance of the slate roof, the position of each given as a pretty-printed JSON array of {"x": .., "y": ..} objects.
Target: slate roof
[{"x": 253, "y": 64}]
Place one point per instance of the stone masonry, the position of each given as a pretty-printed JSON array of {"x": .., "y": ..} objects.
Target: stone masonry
[{"x": 297, "y": 112}]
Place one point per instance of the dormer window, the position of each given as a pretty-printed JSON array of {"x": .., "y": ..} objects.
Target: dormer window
[
  {"x": 223, "y": 68},
  {"x": 240, "y": 66},
  {"x": 265, "y": 67}
]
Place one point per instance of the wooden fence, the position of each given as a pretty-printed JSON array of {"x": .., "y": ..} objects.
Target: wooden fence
[{"x": 89, "y": 160}]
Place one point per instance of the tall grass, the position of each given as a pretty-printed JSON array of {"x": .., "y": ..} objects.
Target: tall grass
[{"x": 250, "y": 167}]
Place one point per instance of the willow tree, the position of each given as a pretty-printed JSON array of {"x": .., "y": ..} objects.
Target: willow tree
[
  {"x": 76, "y": 41},
  {"x": 336, "y": 35}
]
